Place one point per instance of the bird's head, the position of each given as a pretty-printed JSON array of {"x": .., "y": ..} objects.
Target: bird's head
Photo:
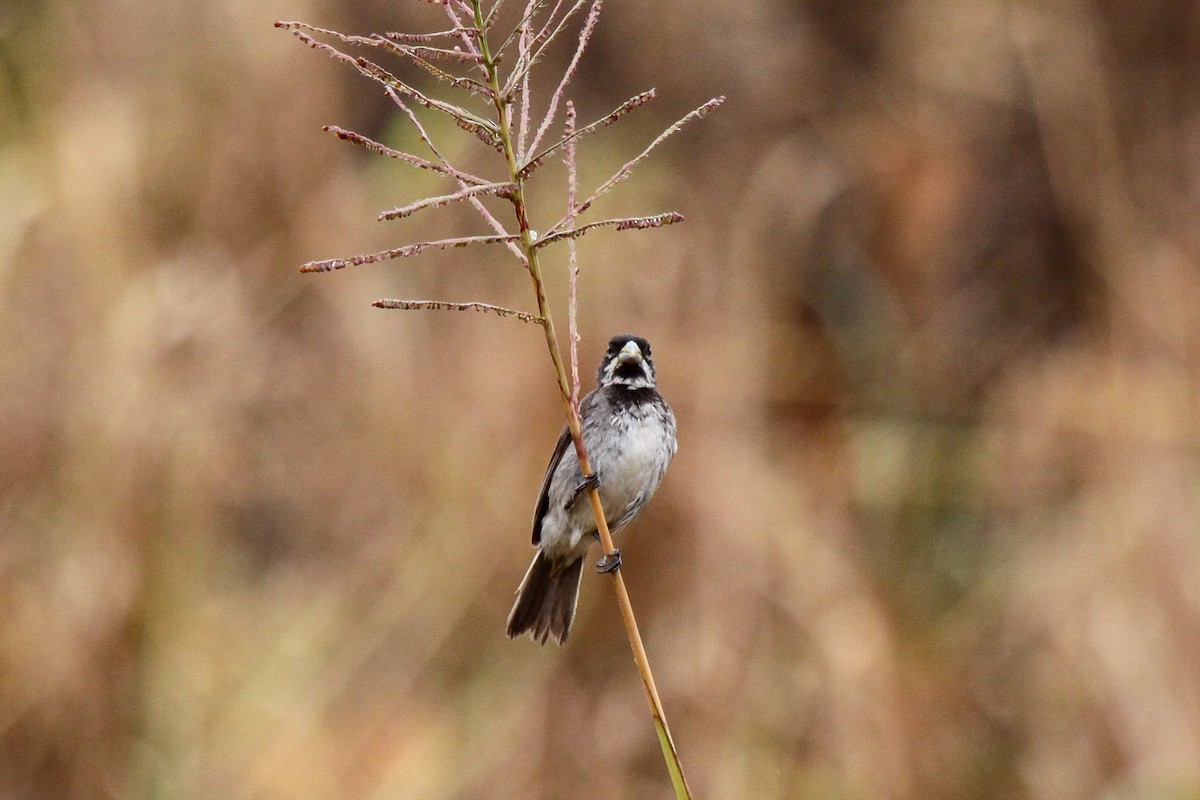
[{"x": 627, "y": 363}]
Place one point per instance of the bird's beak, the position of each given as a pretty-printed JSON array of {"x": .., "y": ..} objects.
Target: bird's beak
[{"x": 630, "y": 352}]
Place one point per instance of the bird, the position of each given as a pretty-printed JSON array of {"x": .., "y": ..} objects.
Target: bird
[{"x": 629, "y": 431}]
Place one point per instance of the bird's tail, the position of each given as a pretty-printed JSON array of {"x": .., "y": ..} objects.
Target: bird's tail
[{"x": 546, "y": 600}]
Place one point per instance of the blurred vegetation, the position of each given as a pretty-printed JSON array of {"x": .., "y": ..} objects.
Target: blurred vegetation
[{"x": 930, "y": 330}]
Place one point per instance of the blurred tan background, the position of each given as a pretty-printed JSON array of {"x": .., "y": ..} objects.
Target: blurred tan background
[{"x": 930, "y": 330}]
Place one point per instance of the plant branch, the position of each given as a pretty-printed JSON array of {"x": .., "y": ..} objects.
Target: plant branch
[
  {"x": 524, "y": 99},
  {"x": 625, "y": 171},
  {"x": 608, "y": 119},
  {"x": 421, "y": 38},
  {"x": 383, "y": 150},
  {"x": 509, "y": 133},
  {"x": 488, "y": 217},
  {"x": 584, "y": 35},
  {"x": 573, "y": 421},
  {"x": 621, "y": 224},
  {"x": 402, "y": 252},
  {"x": 539, "y": 45},
  {"x": 443, "y": 305},
  {"x": 572, "y": 259},
  {"x": 501, "y": 189},
  {"x": 463, "y": 118},
  {"x": 531, "y": 8},
  {"x": 468, "y": 40}
]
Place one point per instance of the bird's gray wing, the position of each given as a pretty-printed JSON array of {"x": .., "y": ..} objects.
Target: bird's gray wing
[{"x": 543, "y": 503}]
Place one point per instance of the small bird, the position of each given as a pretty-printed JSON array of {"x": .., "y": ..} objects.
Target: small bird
[{"x": 629, "y": 431}]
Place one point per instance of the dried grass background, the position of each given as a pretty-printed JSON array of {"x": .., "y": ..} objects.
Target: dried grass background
[{"x": 930, "y": 330}]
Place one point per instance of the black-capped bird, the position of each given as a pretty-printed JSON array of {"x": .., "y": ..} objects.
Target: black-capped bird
[{"x": 629, "y": 431}]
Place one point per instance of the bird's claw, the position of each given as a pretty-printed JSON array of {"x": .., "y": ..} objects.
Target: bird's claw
[
  {"x": 610, "y": 563},
  {"x": 588, "y": 483}
]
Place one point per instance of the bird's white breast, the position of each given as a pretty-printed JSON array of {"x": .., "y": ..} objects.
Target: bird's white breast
[{"x": 631, "y": 463}]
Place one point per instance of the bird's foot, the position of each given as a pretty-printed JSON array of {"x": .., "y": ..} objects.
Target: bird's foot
[
  {"x": 610, "y": 563},
  {"x": 588, "y": 483}
]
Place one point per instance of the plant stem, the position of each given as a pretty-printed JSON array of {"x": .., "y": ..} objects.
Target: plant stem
[{"x": 571, "y": 408}]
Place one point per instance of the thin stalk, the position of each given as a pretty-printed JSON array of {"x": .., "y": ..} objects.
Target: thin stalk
[
  {"x": 528, "y": 244},
  {"x": 572, "y": 255}
]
